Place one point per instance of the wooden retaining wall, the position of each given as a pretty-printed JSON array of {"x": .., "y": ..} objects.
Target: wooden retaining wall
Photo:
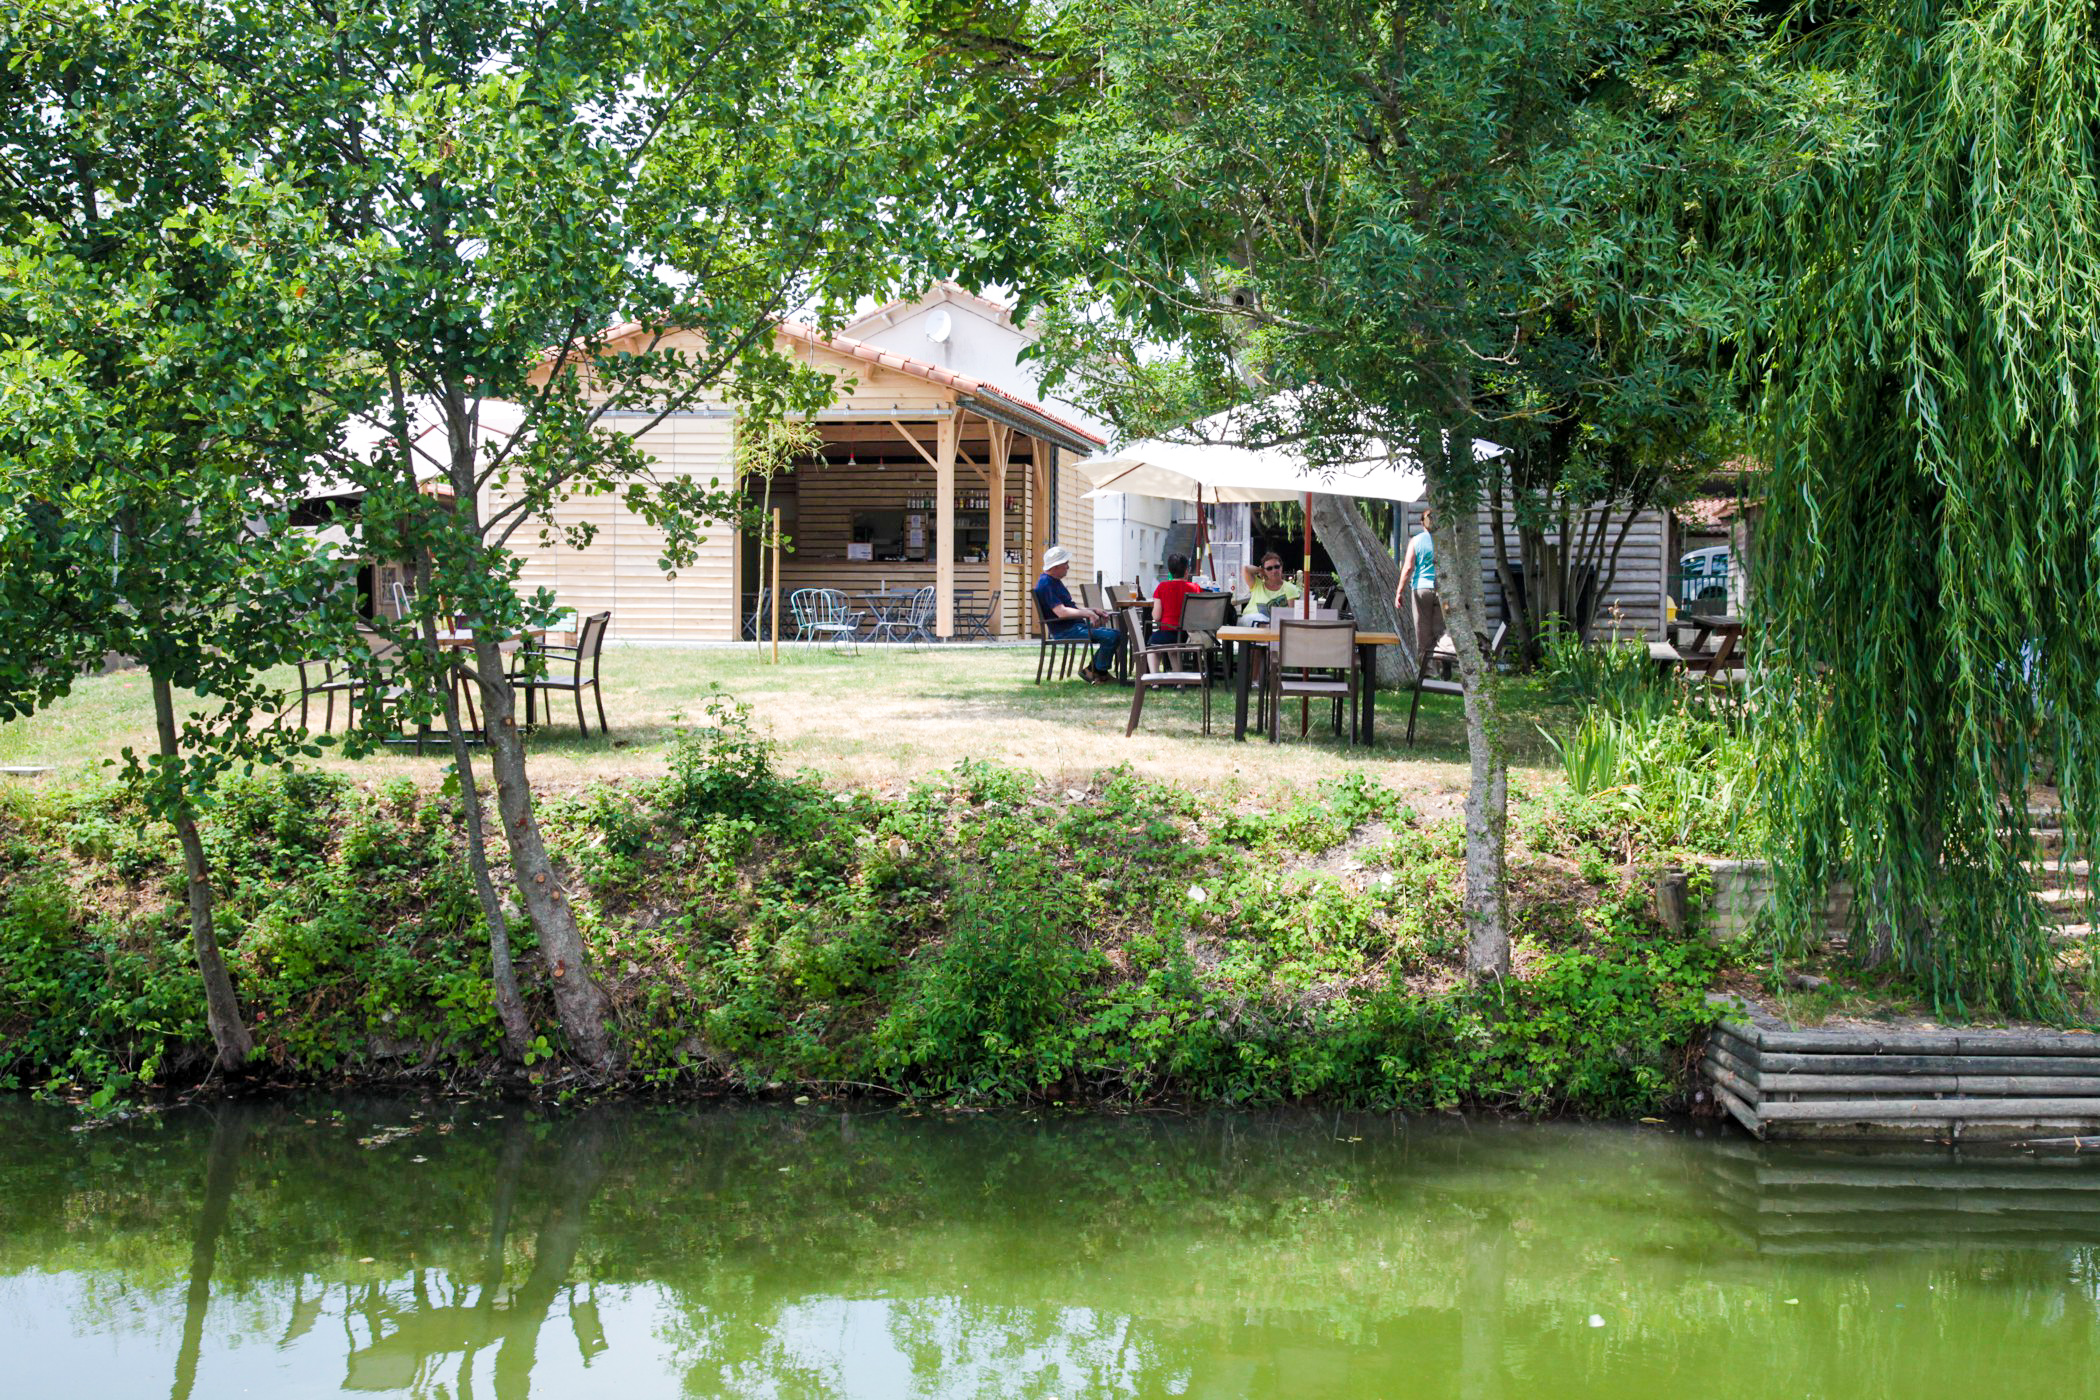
[{"x": 1941, "y": 1085}]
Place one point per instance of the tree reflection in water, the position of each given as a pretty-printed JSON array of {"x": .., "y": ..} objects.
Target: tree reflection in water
[
  {"x": 410, "y": 1342},
  {"x": 424, "y": 1249}
]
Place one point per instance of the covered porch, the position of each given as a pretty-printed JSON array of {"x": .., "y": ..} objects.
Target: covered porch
[{"x": 959, "y": 499}]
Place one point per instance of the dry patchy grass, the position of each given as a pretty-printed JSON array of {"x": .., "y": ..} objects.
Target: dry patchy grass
[{"x": 886, "y": 715}]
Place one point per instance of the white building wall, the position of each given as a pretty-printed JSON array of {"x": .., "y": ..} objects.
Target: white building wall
[{"x": 1130, "y": 537}]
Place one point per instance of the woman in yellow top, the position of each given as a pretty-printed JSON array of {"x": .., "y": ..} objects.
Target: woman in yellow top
[{"x": 1267, "y": 584}]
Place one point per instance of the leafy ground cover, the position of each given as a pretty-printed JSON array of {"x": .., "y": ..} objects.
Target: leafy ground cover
[{"x": 984, "y": 932}]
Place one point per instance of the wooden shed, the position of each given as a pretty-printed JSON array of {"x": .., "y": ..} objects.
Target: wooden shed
[
  {"x": 925, "y": 476},
  {"x": 1634, "y": 592}
]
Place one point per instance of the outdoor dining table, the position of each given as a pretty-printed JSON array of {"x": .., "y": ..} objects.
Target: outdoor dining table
[
  {"x": 462, "y": 640},
  {"x": 886, "y": 609},
  {"x": 1243, "y": 640}
]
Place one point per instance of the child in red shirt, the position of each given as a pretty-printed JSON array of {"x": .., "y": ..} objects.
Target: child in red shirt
[{"x": 1166, "y": 617}]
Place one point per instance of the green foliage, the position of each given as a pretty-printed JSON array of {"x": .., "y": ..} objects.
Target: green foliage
[
  {"x": 1677, "y": 780},
  {"x": 1930, "y": 629},
  {"x": 1616, "y": 677},
  {"x": 1491, "y": 220},
  {"x": 985, "y": 937},
  {"x": 726, "y": 768},
  {"x": 990, "y": 1014}
]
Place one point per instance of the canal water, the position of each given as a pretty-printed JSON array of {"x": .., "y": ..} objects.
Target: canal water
[{"x": 442, "y": 1249}]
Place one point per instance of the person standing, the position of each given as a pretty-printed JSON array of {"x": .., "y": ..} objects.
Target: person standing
[
  {"x": 1068, "y": 621},
  {"x": 1418, "y": 577}
]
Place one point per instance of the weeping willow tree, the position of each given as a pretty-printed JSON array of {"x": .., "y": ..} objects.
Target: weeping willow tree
[{"x": 1929, "y": 590}]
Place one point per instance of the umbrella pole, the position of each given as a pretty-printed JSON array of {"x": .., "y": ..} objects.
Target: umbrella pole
[{"x": 1305, "y": 601}]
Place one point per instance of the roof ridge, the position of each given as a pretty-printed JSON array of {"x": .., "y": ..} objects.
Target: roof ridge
[{"x": 926, "y": 369}]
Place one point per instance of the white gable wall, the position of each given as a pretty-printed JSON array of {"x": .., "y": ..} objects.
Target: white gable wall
[{"x": 1130, "y": 532}]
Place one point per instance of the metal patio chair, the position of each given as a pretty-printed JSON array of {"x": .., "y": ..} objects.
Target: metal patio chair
[
  {"x": 978, "y": 621},
  {"x": 756, "y": 626},
  {"x": 1323, "y": 654},
  {"x": 1057, "y": 655},
  {"x": 822, "y": 615},
  {"x": 585, "y": 655},
  {"x": 1173, "y": 665},
  {"x": 916, "y": 623}
]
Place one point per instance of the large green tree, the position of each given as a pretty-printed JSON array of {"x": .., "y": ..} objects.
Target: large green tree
[
  {"x": 153, "y": 423},
  {"x": 1929, "y": 589},
  {"x": 1437, "y": 222},
  {"x": 596, "y": 215}
]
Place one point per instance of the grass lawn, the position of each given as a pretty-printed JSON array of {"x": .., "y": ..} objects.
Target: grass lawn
[{"x": 888, "y": 714}]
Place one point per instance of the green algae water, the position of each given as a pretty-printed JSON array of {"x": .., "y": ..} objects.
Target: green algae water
[{"x": 396, "y": 1247}]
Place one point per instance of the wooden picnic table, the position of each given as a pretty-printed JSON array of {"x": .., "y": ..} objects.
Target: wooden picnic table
[
  {"x": 1244, "y": 640},
  {"x": 1726, "y": 631}
]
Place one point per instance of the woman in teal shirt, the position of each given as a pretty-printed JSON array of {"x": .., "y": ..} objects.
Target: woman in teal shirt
[{"x": 1418, "y": 576}]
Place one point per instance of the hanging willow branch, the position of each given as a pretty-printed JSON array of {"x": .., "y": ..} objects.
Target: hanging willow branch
[{"x": 1928, "y": 577}]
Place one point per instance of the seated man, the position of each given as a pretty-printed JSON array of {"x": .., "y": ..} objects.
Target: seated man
[
  {"x": 1068, "y": 621},
  {"x": 1166, "y": 619}
]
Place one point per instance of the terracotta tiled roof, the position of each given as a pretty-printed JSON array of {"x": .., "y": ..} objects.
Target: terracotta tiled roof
[
  {"x": 1709, "y": 510},
  {"x": 925, "y": 369},
  {"x": 955, "y": 292},
  {"x": 903, "y": 364}
]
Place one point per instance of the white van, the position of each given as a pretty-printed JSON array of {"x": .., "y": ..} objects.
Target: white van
[{"x": 1705, "y": 573}]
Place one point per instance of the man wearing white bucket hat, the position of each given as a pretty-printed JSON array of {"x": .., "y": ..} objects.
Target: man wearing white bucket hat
[{"x": 1068, "y": 621}]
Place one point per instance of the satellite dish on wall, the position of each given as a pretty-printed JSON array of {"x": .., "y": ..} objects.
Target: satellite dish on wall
[{"x": 939, "y": 326}]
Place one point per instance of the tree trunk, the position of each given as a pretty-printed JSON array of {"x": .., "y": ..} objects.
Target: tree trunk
[
  {"x": 503, "y": 975},
  {"x": 1522, "y": 625},
  {"x": 577, "y": 997},
  {"x": 222, "y": 1009},
  {"x": 1459, "y": 585},
  {"x": 1370, "y": 576}
]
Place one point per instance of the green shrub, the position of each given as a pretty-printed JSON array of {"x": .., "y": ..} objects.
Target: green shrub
[
  {"x": 1617, "y": 678},
  {"x": 1673, "y": 780},
  {"x": 985, "y": 937},
  {"x": 726, "y": 768},
  {"x": 990, "y": 1015}
]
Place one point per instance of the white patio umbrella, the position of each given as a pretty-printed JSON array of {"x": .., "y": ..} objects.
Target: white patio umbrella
[
  {"x": 366, "y": 437},
  {"x": 1219, "y": 472}
]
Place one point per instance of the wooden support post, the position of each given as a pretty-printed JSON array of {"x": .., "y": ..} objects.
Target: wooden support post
[
  {"x": 1038, "y": 523},
  {"x": 944, "y": 528},
  {"x": 995, "y": 556},
  {"x": 775, "y": 594}
]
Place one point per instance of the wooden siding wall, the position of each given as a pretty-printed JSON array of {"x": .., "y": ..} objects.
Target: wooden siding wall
[
  {"x": 1637, "y": 587},
  {"x": 620, "y": 573},
  {"x": 1075, "y": 519}
]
